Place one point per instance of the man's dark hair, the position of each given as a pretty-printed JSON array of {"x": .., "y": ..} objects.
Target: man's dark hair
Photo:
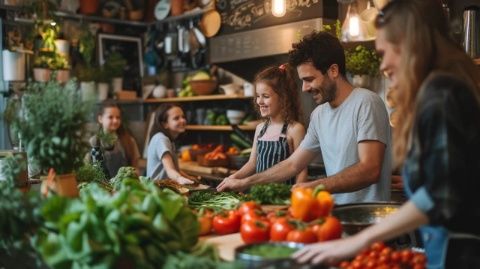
[{"x": 320, "y": 48}]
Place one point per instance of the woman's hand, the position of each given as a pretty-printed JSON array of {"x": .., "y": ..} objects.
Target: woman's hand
[{"x": 330, "y": 252}]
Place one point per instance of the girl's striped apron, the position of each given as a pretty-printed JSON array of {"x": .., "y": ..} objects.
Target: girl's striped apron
[{"x": 270, "y": 153}]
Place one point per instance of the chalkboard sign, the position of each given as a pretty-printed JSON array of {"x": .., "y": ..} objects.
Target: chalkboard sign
[{"x": 243, "y": 15}]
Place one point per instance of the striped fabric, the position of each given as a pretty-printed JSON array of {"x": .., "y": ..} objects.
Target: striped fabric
[{"x": 270, "y": 153}]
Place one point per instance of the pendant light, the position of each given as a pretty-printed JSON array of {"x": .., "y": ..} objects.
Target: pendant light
[
  {"x": 279, "y": 8},
  {"x": 353, "y": 28}
]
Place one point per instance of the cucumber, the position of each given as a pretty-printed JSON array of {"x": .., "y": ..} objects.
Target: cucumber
[{"x": 239, "y": 141}]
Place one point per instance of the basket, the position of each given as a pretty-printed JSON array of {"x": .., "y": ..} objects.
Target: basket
[
  {"x": 203, "y": 87},
  {"x": 211, "y": 163}
]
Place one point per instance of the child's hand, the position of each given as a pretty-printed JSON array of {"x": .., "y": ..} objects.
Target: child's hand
[{"x": 183, "y": 180}]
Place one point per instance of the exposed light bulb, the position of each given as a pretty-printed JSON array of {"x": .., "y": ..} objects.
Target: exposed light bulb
[
  {"x": 353, "y": 29},
  {"x": 354, "y": 26},
  {"x": 279, "y": 8}
]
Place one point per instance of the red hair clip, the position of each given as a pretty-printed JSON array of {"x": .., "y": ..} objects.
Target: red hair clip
[{"x": 282, "y": 67}]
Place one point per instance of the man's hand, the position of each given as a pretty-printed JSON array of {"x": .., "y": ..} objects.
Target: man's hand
[
  {"x": 232, "y": 184},
  {"x": 311, "y": 184}
]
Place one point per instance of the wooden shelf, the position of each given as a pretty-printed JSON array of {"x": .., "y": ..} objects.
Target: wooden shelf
[
  {"x": 476, "y": 61},
  {"x": 67, "y": 15},
  {"x": 218, "y": 127},
  {"x": 197, "y": 98}
]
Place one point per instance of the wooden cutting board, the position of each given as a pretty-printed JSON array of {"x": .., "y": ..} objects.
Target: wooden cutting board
[
  {"x": 194, "y": 167},
  {"x": 226, "y": 244}
]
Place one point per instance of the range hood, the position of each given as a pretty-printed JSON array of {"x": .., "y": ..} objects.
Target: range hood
[{"x": 268, "y": 41}]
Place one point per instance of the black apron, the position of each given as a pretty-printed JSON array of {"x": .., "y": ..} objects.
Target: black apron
[{"x": 270, "y": 153}]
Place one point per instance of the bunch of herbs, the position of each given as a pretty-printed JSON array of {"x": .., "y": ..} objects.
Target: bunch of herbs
[{"x": 271, "y": 193}]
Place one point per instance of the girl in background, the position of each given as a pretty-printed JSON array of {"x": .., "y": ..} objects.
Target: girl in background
[
  {"x": 277, "y": 102},
  {"x": 162, "y": 161},
  {"x": 123, "y": 151}
]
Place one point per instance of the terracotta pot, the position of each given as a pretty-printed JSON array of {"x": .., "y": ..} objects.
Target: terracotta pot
[
  {"x": 41, "y": 74},
  {"x": 64, "y": 185},
  {"x": 89, "y": 6},
  {"x": 63, "y": 75}
]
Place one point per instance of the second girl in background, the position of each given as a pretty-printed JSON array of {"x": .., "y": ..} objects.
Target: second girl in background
[
  {"x": 162, "y": 161},
  {"x": 277, "y": 101},
  {"x": 124, "y": 151}
]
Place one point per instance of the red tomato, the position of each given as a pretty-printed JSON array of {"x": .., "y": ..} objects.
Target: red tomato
[
  {"x": 254, "y": 215},
  {"x": 330, "y": 229},
  {"x": 276, "y": 215},
  {"x": 378, "y": 246},
  {"x": 344, "y": 264},
  {"x": 248, "y": 206},
  {"x": 406, "y": 256},
  {"x": 419, "y": 258},
  {"x": 226, "y": 223},
  {"x": 396, "y": 256},
  {"x": 306, "y": 236},
  {"x": 255, "y": 231},
  {"x": 280, "y": 230}
]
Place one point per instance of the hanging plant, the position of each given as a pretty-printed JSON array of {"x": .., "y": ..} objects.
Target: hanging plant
[{"x": 362, "y": 61}]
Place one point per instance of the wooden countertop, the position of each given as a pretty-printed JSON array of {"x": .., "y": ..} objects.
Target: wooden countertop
[{"x": 226, "y": 244}]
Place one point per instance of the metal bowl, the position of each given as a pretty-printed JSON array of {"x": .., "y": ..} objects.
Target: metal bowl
[
  {"x": 250, "y": 261},
  {"x": 356, "y": 217}
]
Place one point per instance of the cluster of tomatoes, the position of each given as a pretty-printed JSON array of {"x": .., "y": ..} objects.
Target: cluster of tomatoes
[
  {"x": 380, "y": 256},
  {"x": 257, "y": 226}
]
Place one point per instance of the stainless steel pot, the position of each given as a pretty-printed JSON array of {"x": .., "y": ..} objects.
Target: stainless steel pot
[{"x": 356, "y": 217}]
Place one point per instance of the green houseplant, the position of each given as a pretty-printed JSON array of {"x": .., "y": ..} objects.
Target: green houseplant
[
  {"x": 52, "y": 126},
  {"x": 115, "y": 64},
  {"x": 362, "y": 61}
]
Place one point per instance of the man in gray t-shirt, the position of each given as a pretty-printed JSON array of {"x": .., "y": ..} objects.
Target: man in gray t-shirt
[{"x": 350, "y": 128}]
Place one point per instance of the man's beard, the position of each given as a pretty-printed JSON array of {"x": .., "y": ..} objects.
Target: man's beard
[{"x": 328, "y": 91}]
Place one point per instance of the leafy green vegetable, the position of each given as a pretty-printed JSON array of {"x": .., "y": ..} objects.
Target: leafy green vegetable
[
  {"x": 271, "y": 193},
  {"x": 18, "y": 214},
  {"x": 139, "y": 224},
  {"x": 217, "y": 201}
]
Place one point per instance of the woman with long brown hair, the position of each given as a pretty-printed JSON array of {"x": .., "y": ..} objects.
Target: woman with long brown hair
[{"x": 437, "y": 87}]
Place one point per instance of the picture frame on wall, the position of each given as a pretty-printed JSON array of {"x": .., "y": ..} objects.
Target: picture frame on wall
[{"x": 129, "y": 47}]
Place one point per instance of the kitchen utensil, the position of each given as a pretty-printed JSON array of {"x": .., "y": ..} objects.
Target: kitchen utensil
[
  {"x": 210, "y": 23},
  {"x": 471, "y": 28},
  {"x": 162, "y": 8}
]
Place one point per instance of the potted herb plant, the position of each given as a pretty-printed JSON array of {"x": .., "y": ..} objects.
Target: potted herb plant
[
  {"x": 362, "y": 63},
  {"x": 62, "y": 68},
  {"x": 115, "y": 64},
  {"x": 103, "y": 83},
  {"x": 86, "y": 73},
  {"x": 52, "y": 129},
  {"x": 42, "y": 66}
]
